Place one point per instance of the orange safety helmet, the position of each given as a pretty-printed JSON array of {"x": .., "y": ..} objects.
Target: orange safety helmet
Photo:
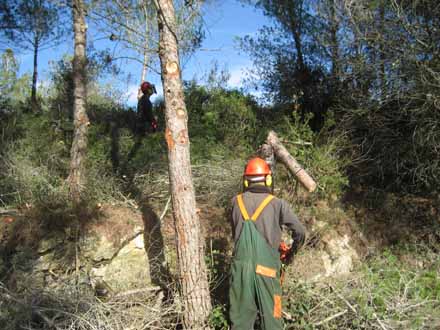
[
  {"x": 145, "y": 86},
  {"x": 257, "y": 167},
  {"x": 148, "y": 87}
]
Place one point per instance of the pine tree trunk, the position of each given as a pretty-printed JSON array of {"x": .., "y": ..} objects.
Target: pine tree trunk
[
  {"x": 190, "y": 248},
  {"x": 34, "y": 104},
  {"x": 296, "y": 31},
  {"x": 334, "y": 44},
  {"x": 382, "y": 57},
  {"x": 76, "y": 177}
]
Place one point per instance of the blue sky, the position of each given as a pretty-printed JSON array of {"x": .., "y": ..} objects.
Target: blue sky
[{"x": 224, "y": 21}]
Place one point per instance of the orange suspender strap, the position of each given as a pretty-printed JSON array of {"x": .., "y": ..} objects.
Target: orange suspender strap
[
  {"x": 257, "y": 212},
  {"x": 243, "y": 210},
  {"x": 261, "y": 207}
]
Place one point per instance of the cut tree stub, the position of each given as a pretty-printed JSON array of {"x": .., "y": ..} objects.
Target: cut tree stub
[
  {"x": 172, "y": 68},
  {"x": 181, "y": 113}
]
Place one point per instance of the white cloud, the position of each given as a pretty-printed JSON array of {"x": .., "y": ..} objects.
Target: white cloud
[
  {"x": 131, "y": 95},
  {"x": 239, "y": 72},
  {"x": 236, "y": 76}
]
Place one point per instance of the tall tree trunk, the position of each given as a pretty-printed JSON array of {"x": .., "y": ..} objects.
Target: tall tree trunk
[
  {"x": 76, "y": 177},
  {"x": 34, "y": 103},
  {"x": 382, "y": 58},
  {"x": 190, "y": 248},
  {"x": 334, "y": 27},
  {"x": 296, "y": 22}
]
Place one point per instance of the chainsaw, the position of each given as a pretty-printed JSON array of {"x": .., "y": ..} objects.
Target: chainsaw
[{"x": 285, "y": 257}]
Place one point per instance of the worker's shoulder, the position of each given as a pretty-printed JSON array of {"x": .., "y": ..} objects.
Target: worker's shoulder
[
  {"x": 280, "y": 202},
  {"x": 275, "y": 199}
]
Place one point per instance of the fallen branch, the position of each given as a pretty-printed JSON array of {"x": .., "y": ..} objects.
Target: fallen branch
[
  {"x": 418, "y": 305},
  {"x": 380, "y": 322},
  {"x": 50, "y": 323},
  {"x": 328, "y": 319},
  {"x": 9, "y": 212},
  {"x": 353, "y": 309},
  {"x": 165, "y": 209},
  {"x": 128, "y": 201},
  {"x": 297, "y": 143},
  {"x": 286, "y": 158},
  {"x": 135, "y": 292},
  {"x": 288, "y": 316}
]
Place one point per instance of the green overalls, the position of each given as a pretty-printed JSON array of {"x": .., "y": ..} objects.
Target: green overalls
[{"x": 255, "y": 277}]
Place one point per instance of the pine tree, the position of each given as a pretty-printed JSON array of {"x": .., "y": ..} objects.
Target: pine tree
[
  {"x": 190, "y": 250},
  {"x": 76, "y": 177},
  {"x": 32, "y": 25}
]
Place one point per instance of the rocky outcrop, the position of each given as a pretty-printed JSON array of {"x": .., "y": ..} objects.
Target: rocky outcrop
[
  {"x": 338, "y": 256},
  {"x": 337, "y": 245},
  {"x": 109, "y": 253},
  {"x": 127, "y": 269}
]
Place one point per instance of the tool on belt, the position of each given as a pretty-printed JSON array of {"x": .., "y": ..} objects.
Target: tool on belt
[{"x": 154, "y": 125}]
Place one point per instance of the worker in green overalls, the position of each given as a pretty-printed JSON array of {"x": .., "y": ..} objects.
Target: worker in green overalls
[{"x": 258, "y": 219}]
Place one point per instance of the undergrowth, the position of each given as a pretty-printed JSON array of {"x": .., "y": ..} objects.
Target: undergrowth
[
  {"x": 396, "y": 289},
  {"x": 388, "y": 291},
  {"x": 69, "y": 307}
]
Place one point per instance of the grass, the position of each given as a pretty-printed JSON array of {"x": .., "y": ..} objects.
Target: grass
[{"x": 396, "y": 289}]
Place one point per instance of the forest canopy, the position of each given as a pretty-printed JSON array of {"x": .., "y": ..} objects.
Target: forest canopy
[{"x": 371, "y": 65}]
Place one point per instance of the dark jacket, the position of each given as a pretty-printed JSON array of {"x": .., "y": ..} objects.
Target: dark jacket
[
  {"x": 271, "y": 221},
  {"x": 145, "y": 109}
]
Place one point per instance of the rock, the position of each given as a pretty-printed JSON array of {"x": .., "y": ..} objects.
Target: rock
[
  {"x": 338, "y": 256},
  {"x": 98, "y": 249},
  {"x": 44, "y": 262},
  {"x": 104, "y": 238},
  {"x": 127, "y": 270},
  {"x": 50, "y": 243},
  {"x": 139, "y": 242},
  {"x": 110, "y": 251}
]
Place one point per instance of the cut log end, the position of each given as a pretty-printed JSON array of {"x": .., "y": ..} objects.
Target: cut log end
[{"x": 306, "y": 180}]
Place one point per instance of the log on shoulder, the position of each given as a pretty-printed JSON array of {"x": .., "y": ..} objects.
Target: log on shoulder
[{"x": 281, "y": 153}]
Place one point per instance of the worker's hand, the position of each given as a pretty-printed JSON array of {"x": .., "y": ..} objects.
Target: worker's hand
[
  {"x": 289, "y": 257},
  {"x": 284, "y": 250}
]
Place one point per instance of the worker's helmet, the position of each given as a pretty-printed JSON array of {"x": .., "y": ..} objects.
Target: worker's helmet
[
  {"x": 257, "y": 170},
  {"x": 147, "y": 87}
]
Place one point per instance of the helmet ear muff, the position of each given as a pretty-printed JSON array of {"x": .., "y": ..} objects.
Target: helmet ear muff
[
  {"x": 246, "y": 183},
  {"x": 269, "y": 180}
]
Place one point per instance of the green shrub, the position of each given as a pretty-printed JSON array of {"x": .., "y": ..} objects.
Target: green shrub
[
  {"x": 35, "y": 165},
  {"x": 218, "y": 319},
  {"x": 221, "y": 116}
]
